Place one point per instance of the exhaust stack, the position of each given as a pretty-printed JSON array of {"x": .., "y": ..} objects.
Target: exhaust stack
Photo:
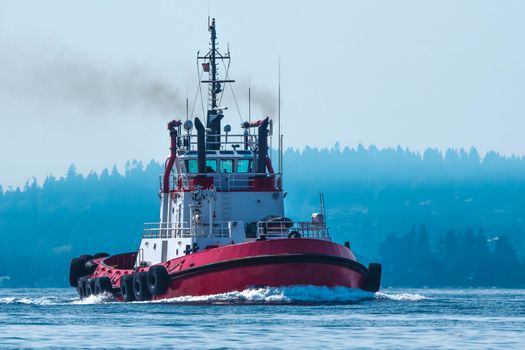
[
  {"x": 262, "y": 146},
  {"x": 172, "y": 127},
  {"x": 201, "y": 147}
]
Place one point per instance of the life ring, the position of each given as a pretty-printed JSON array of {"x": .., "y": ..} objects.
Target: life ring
[
  {"x": 294, "y": 234},
  {"x": 140, "y": 286},
  {"x": 126, "y": 288},
  {"x": 158, "y": 280}
]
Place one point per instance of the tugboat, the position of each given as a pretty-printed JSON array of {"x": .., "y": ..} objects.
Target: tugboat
[{"x": 222, "y": 224}]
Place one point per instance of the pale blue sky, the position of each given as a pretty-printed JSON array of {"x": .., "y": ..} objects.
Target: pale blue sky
[{"x": 93, "y": 82}]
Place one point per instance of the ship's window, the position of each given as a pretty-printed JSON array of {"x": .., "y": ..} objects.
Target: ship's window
[
  {"x": 211, "y": 166},
  {"x": 191, "y": 165},
  {"x": 244, "y": 166},
  {"x": 211, "y": 152},
  {"x": 191, "y": 153},
  {"x": 244, "y": 152},
  {"x": 226, "y": 165},
  {"x": 226, "y": 152}
]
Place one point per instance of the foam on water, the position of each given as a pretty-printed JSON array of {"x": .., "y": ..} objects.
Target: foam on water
[
  {"x": 400, "y": 296},
  {"x": 29, "y": 301},
  {"x": 309, "y": 294},
  {"x": 268, "y": 295},
  {"x": 295, "y": 294},
  {"x": 94, "y": 299}
]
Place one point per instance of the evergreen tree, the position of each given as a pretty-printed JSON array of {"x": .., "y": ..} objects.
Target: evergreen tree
[{"x": 506, "y": 266}]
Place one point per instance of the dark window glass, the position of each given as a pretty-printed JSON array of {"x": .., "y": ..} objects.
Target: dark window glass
[
  {"x": 226, "y": 165},
  {"x": 244, "y": 166},
  {"x": 191, "y": 166},
  {"x": 211, "y": 166}
]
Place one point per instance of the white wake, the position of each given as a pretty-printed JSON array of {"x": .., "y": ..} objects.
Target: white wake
[{"x": 267, "y": 295}]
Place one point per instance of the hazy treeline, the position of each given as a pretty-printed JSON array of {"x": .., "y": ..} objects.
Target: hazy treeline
[
  {"x": 369, "y": 194},
  {"x": 453, "y": 259}
]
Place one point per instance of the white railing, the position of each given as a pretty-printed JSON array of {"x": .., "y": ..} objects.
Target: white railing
[
  {"x": 225, "y": 142},
  {"x": 289, "y": 229},
  {"x": 221, "y": 181},
  {"x": 180, "y": 230}
]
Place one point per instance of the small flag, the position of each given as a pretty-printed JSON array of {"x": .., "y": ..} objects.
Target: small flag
[{"x": 206, "y": 67}]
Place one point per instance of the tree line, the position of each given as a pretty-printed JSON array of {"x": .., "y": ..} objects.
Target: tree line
[
  {"x": 369, "y": 192},
  {"x": 454, "y": 259}
]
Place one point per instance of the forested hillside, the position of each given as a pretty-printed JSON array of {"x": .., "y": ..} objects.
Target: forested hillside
[{"x": 379, "y": 200}]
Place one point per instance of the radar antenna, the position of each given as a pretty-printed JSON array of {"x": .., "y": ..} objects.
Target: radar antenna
[{"x": 210, "y": 65}]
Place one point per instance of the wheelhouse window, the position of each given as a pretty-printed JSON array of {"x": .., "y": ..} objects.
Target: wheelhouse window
[
  {"x": 245, "y": 166},
  {"x": 211, "y": 166},
  {"x": 226, "y": 166},
  {"x": 191, "y": 166}
]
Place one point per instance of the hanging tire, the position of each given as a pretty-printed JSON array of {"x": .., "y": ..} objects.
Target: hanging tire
[
  {"x": 81, "y": 287},
  {"x": 75, "y": 272},
  {"x": 373, "y": 281},
  {"x": 90, "y": 287},
  {"x": 294, "y": 234},
  {"x": 89, "y": 267},
  {"x": 158, "y": 280},
  {"x": 85, "y": 258},
  {"x": 100, "y": 255},
  {"x": 126, "y": 288},
  {"x": 103, "y": 285},
  {"x": 140, "y": 286}
]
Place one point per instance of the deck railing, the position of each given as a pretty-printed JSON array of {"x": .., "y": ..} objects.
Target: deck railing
[
  {"x": 180, "y": 230},
  {"x": 290, "y": 229},
  {"x": 221, "y": 181}
]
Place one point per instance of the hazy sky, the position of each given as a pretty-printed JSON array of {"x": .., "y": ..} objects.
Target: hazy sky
[{"x": 94, "y": 82}]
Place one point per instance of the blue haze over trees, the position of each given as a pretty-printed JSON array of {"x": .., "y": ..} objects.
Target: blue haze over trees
[{"x": 432, "y": 219}]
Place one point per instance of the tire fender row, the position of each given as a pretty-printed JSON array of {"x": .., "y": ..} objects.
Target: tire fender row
[{"x": 139, "y": 286}]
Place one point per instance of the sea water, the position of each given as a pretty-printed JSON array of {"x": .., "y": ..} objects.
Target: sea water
[{"x": 267, "y": 318}]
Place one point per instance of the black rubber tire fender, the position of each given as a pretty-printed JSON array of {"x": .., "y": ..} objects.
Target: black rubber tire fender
[
  {"x": 373, "y": 281},
  {"x": 140, "y": 286},
  {"x": 85, "y": 258},
  {"x": 100, "y": 255},
  {"x": 75, "y": 272},
  {"x": 81, "y": 287},
  {"x": 103, "y": 285},
  {"x": 90, "y": 287},
  {"x": 158, "y": 280},
  {"x": 89, "y": 267},
  {"x": 294, "y": 234},
  {"x": 126, "y": 288}
]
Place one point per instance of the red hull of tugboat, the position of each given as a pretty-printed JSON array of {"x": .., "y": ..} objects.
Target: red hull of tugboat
[
  {"x": 269, "y": 263},
  {"x": 265, "y": 275}
]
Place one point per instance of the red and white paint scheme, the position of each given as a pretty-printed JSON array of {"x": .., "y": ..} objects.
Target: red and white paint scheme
[{"x": 222, "y": 224}]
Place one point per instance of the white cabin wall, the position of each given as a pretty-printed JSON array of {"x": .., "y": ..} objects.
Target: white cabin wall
[{"x": 248, "y": 206}]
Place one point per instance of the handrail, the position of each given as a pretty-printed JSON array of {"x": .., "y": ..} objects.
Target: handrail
[
  {"x": 180, "y": 230},
  {"x": 297, "y": 229},
  {"x": 222, "y": 181}
]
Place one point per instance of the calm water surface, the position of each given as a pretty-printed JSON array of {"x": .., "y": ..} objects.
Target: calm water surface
[{"x": 308, "y": 317}]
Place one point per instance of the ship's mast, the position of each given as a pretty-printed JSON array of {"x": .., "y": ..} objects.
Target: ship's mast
[
  {"x": 215, "y": 86},
  {"x": 215, "y": 112}
]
